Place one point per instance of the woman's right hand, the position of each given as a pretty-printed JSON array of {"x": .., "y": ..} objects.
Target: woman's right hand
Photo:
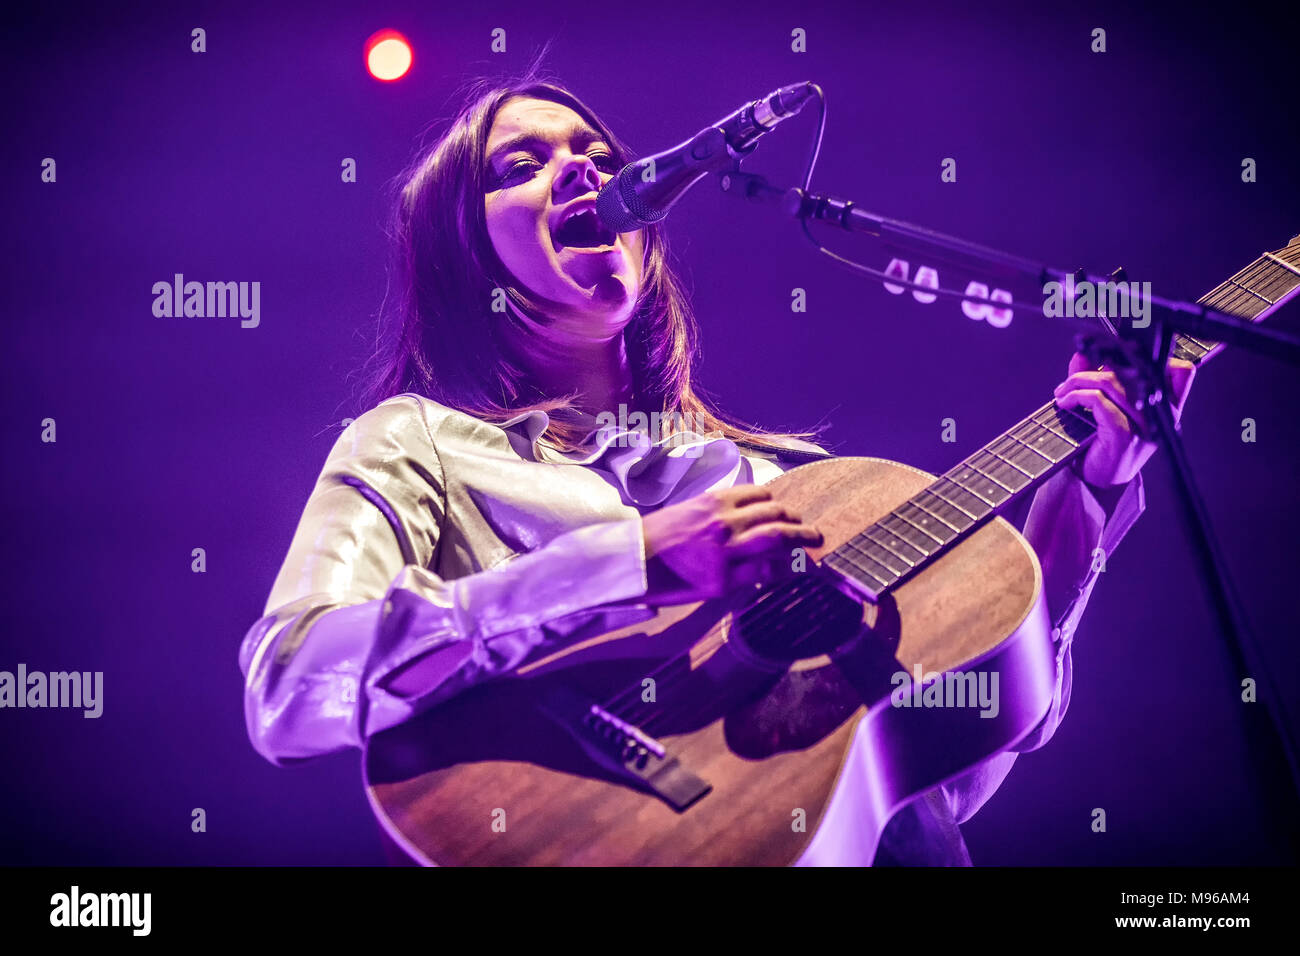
[{"x": 719, "y": 541}]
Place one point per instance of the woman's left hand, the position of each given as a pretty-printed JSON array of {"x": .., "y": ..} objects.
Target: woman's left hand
[{"x": 1119, "y": 451}]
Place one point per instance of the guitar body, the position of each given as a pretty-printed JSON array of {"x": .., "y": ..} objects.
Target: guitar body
[{"x": 766, "y": 705}]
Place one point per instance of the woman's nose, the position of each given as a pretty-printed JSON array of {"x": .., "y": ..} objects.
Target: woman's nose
[{"x": 578, "y": 176}]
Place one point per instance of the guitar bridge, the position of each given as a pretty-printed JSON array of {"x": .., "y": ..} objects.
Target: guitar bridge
[{"x": 624, "y": 748}]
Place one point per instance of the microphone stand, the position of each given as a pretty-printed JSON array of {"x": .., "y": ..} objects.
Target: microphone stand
[{"x": 1138, "y": 354}]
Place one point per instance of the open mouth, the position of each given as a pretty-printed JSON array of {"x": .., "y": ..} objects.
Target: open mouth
[{"x": 584, "y": 230}]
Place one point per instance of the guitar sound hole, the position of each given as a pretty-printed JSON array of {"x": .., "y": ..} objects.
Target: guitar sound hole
[{"x": 802, "y": 619}]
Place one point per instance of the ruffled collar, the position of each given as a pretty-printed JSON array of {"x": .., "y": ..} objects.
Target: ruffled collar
[{"x": 648, "y": 472}]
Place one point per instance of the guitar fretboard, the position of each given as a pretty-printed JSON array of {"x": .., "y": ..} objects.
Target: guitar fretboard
[{"x": 965, "y": 497}]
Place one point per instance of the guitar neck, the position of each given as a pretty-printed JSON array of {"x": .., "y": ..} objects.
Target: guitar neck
[
  {"x": 970, "y": 494},
  {"x": 1254, "y": 293}
]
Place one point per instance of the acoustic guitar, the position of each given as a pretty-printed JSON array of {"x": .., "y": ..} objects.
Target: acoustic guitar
[{"x": 707, "y": 733}]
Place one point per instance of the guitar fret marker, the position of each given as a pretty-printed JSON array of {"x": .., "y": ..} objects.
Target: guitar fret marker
[
  {"x": 943, "y": 506},
  {"x": 918, "y": 527},
  {"x": 889, "y": 546},
  {"x": 933, "y": 515},
  {"x": 886, "y": 553},
  {"x": 988, "y": 501},
  {"x": 902, "y": 533},
  {"x": 888, "y": 559},
  {"x": 1061, "y": 435},
  {"x": 1042, "y": 438},
  {"x": 1031, "y": 448}
]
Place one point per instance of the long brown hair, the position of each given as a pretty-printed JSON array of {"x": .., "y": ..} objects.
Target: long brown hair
[{"x": 440, "y": 341}]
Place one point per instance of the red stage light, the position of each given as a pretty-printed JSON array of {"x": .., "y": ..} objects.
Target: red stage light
[{"x": 388, "y": 55}]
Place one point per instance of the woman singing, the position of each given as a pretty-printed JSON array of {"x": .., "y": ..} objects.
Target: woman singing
[{"x": 478, "y": 515}]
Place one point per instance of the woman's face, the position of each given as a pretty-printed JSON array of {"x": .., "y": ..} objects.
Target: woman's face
[{"x": 545, "y": 166}]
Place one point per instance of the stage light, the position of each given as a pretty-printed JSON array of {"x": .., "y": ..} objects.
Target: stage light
[{"x": 388, "y": 55}]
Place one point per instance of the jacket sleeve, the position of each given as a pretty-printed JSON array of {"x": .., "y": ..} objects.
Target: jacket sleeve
[
  {"x": 358, "y": 634},
  {"x": 1073, "y": 529}
]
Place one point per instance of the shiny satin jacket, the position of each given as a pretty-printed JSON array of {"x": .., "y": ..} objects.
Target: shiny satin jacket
[{"x": 437, "y": 551}]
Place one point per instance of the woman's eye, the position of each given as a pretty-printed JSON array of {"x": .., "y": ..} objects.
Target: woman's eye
[
  {"x": 517, "y": 170},
  {"x": 524, "y": 168}
]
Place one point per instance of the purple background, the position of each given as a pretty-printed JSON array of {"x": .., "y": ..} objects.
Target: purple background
[{"x": 183, "y": 433}]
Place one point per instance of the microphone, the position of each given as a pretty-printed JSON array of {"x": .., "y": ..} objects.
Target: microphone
[{"x": 642, "y": 192}]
